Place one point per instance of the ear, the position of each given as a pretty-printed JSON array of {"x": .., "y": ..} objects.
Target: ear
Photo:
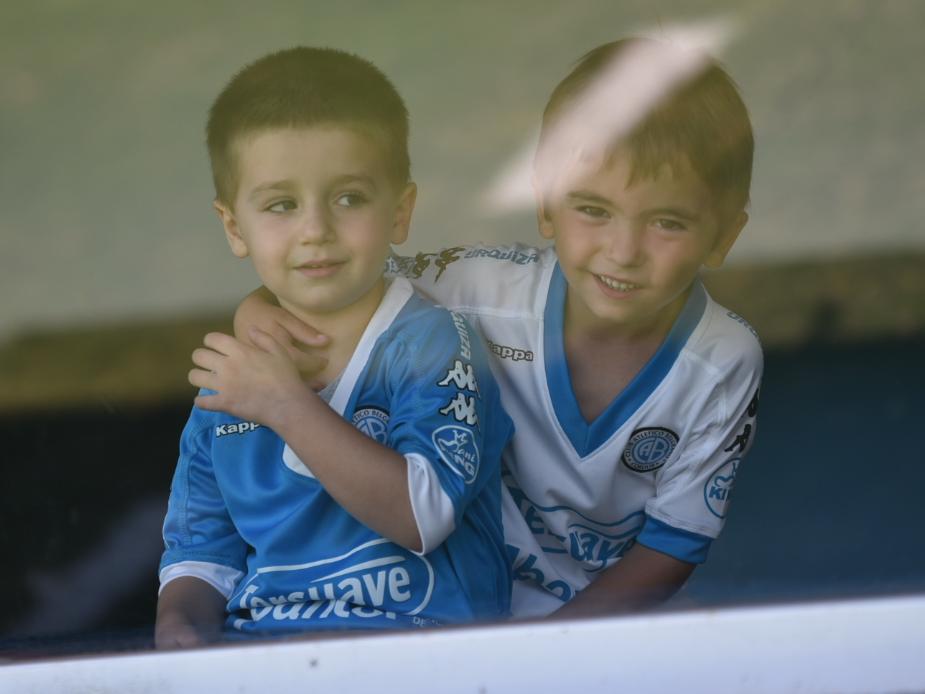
[
  {"x": 724, "y": 240},
  {"x": 403, "y": 211},
  {"x": 543, "y": 220},
  {"x": 232, "y": 232}
]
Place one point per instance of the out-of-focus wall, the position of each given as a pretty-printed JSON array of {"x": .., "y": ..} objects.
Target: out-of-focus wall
[{"x": 104, "y": 186}]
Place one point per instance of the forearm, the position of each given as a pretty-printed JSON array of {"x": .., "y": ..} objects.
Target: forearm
[
  {"x": 190, "y": 612},
  {"x": 642, "y": 579},
  {"x": 368, "y": 479}
]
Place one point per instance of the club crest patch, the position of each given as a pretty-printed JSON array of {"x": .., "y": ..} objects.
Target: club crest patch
[
  {"x": 458, "y": 450},
  {"x": 649, "y": 448},
  {"x": 373, "y": 422}
]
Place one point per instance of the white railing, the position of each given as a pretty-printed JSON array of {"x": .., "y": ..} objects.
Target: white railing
[{"x": 875, "y": 645}]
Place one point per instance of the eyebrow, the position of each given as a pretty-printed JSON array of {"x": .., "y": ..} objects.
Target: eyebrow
[
  {"x": 271, "y": 185},
  {"x": 287, "y": 184},
  {"x": 589, "y": 196}
]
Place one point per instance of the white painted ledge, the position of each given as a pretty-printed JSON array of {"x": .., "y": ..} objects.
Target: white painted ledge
[{"x": 873, "y": 645}]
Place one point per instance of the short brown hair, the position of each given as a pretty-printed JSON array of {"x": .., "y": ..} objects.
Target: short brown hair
[
  {"x": 701, "y": 117},
  {"x": 302, "y": 87}
]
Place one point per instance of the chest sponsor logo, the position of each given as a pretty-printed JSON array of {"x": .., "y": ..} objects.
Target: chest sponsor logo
[
  {"x": 718, "y": 489},
  {"x": 457, "y": 448},
  {"x": 649, "y": 448},
  {"x": 512, "y": 353},
  {"x": 239, "y": 428},
  {"x": 376, "y": 580},
  {"x": 563, "y": 530},
  {"x": 373, "y": 422}
]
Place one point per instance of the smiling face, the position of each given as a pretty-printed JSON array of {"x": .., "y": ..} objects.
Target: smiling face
[
  {"x": 317, "y": 212},
  {"x": 631, "y": 250}
]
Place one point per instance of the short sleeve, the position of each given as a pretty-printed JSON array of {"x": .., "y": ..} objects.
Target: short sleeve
[
  {"x": 446, "y": 409},
  {"x": 693, "y": 491},
  {"x": 200, "y": 538}
]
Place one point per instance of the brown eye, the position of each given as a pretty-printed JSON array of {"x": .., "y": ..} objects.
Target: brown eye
[
  {"x": 282, "y": 206},
  {"x": 593, "y": 212},
  {"x": 350, "y": 199},
  {"x": 670, "y": 224}
]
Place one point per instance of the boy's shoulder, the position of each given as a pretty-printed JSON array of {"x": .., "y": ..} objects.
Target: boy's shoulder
[
  {"x": 724, "y": 340},
  {"x": 509, "y": 278}
]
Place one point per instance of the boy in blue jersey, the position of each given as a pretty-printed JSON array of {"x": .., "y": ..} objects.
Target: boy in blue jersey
[
  {"x": 375, "y": 502},
  {"x": 633, "y": 393}
]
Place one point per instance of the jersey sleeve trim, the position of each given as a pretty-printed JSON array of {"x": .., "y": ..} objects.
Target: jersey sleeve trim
[
  {"x": 675, "y": 542},
  {"x": 433, "y": 509},
  {"x": 222, "y": 578}
]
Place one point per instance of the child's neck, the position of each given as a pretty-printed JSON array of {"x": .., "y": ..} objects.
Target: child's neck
[
  {"x": 343, "y": 327},
  {"x": 603, "y": 358}
]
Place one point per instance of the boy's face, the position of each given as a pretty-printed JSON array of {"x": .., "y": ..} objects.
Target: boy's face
[
  {"x": 630, "y": 252},
  {"x": 317, "y": 212}
]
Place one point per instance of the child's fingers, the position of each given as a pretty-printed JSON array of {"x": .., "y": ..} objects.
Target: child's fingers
[
  {"x": 202, "y": 378},
  {"x": 207, "y": 359},
  {"x": 266, "y": 342},
  {"x": 208, "y": 402},
  {"x": 221, "y": 343},
  {"x": 301, "y": 331}
]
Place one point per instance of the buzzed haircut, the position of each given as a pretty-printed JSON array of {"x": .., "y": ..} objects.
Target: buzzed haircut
[
  {"x": 305, "y": 87},
  {"x": 701, "y": 118}
]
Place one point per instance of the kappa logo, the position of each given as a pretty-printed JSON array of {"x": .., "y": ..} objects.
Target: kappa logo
[
  {"x": 373, "y": 422},
  {"x": 239, "y": 428},
  {"x": 458, "y": 450},
  {"x": 718, "y": 489},
  {"x": 462, "y": 409},
  {"x": 649, "y": 448},
  {"x": 462, "y": 376},
  {"x": 512, "y": 353}
]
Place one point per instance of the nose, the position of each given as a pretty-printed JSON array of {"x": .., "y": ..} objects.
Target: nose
[
  {"x": 624, "y": 243},
  {"x": 315, "y": 225}
]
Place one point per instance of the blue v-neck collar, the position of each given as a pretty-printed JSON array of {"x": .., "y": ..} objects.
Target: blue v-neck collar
[{"x": 586, "y": 437}]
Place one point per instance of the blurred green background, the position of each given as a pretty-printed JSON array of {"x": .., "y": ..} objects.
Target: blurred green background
[{"x": 110, "y": 256}]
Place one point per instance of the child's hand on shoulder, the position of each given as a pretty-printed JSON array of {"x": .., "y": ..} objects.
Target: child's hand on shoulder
[
  {"x": 258, "y": 383},
  {"x": 300, "y": 339}
]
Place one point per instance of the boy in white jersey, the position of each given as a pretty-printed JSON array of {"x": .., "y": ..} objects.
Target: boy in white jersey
[
  {"x": 380, "y": 507},
  {"x": 633, "y": 394}
]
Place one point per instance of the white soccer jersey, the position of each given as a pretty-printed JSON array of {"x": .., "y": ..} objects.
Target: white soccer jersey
[
  {"x": 248, "y": 517},
  {"x": 656, "y": 467}
]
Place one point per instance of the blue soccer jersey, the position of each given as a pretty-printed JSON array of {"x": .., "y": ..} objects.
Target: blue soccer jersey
[
  {"x": 247, "y": 516},
  {"x": 656, "y": 467}
]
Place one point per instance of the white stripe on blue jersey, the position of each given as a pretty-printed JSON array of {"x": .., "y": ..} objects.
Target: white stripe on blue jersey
[{"x": 656, "y": 467}]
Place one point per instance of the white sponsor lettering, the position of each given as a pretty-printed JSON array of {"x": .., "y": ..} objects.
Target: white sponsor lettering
[{"x": 463, "y": 331}]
